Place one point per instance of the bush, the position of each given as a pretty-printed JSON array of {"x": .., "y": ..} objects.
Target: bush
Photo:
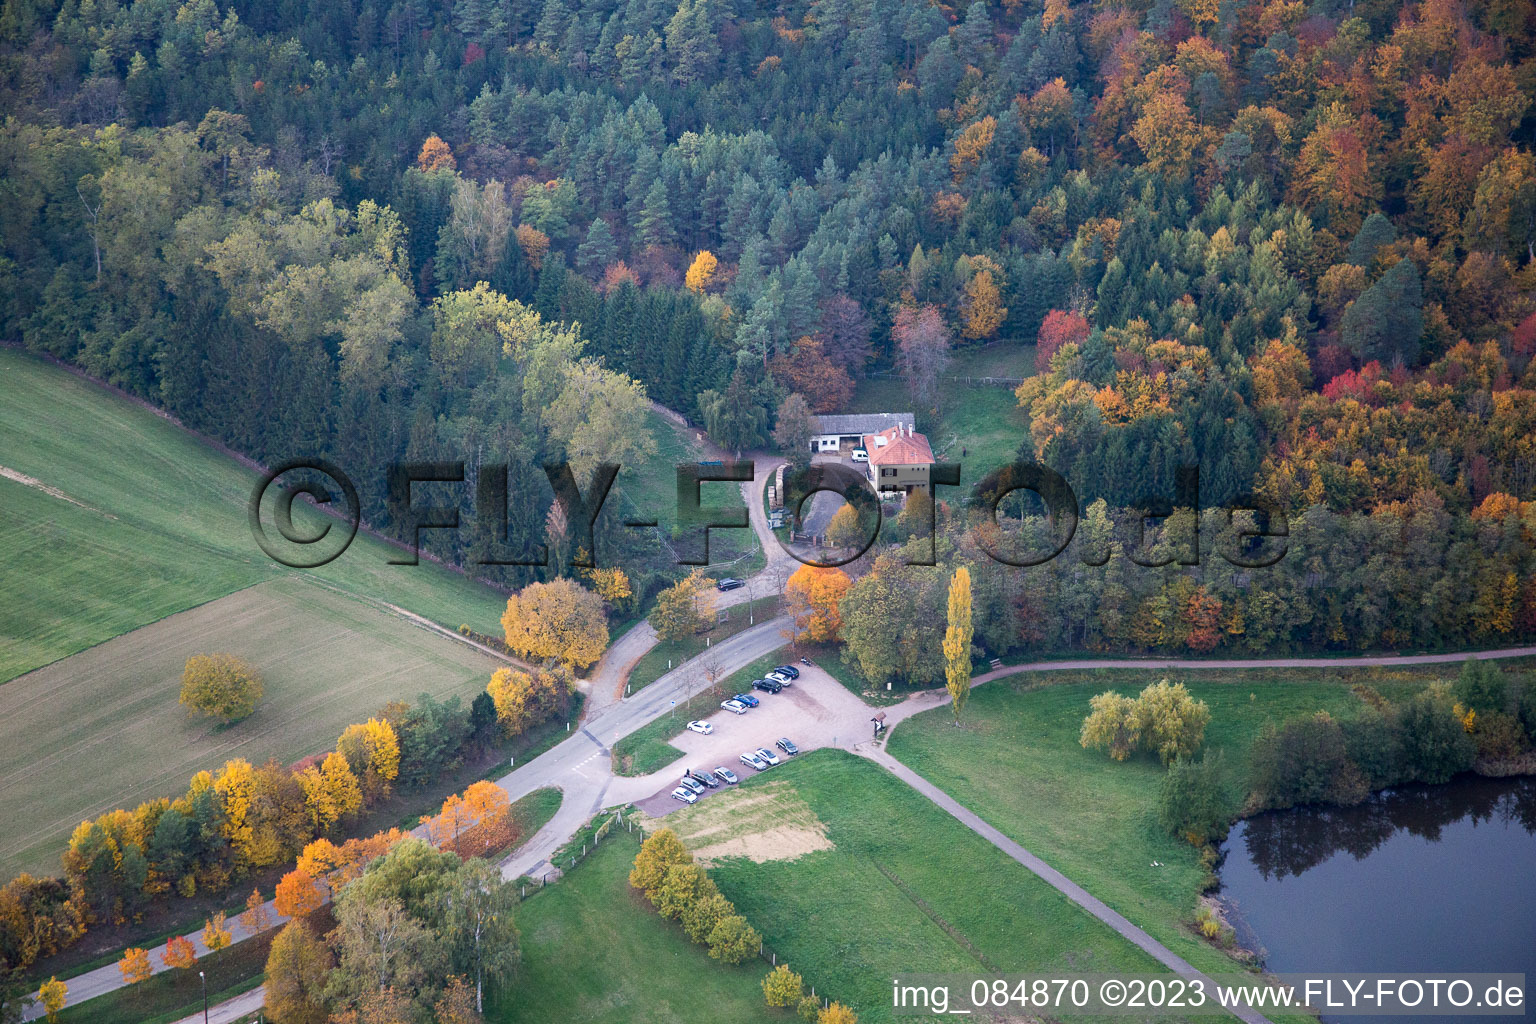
[
  {"x": 783, "y": 987},
  {"x": 1193, "y": 800},
  {"x": 1481, "y": 687},
  {"x": 1498, "y": 736},
  {"x": 220, "y": 686},
  {"x": 809, "y": 1008},
  {"x": 1302, "y": 762},
  {"x": 1435, "y": 743},
  {"x": 733, "y": 941},
  {"x": 1373, "y": 741}
]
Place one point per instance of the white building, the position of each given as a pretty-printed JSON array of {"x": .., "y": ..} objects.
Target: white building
[{"x": 834, "y": 433}]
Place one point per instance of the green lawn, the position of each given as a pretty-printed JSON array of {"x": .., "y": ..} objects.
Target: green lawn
[
  {"x": 664, "y": 657},
  {"x": 906, "y": 888},
  {"x": 157, "y": 524},
  {"x": 103, "y": 729},
  {"x": 595, "y": 953},
  {"x": 984, "y": 421},
  {"x": 1017, "y": 763},
  {"x": 652, "y": 486}
]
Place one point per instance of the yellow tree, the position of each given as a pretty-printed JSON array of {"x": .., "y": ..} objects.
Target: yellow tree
[
  {"x": 220, "y": 685},
  {"x": 845, "y": 530},
  {"x": 837, "y": 1013},
  {"x": 682, "y": 609},
  {"x": 179, "y": 952},
  {"x": 330, "y": 791},
  {"x": 373, "y": 745},
  {"x": 971, "y": 145},
  {"x": 534, "y": 243},
  {"x": 957, "y": 642},
  {"x": 658, "y": 853},
  {"x": 53, "y": 994},
  {"x": 984, "y": 309},
  {"x": 215, "y": 934},
  {"x": 134, "y": 965},
  {"x": 235, "y": 784},
  {"x": 783, "y": 987},
  {"x": 611, "y": 584},
  {"x": 560, "y": 619},
  {"x": 701, "y": 272},
  {"x": 811, "y": 597}
]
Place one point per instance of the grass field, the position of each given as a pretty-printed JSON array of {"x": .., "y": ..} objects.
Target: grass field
[
  {"x": 103, "y": 729},
  {"x": 151, "y": 522},
  {"x": 593, "y": 952},
  {"x": 905, "y": 888},
  {"x": 1017, "y": 763},
  {"x": 652, "y": 486}
]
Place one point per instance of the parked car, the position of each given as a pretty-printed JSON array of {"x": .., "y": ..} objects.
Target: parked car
[
  {"x": 702, "y": 728},
  {"x": 788, "y": 670},
  {"x": 780, "y": 678},
  {"x": 705, "y": 777},
  {"x": 860, "y": 455},
  {"x": 729, "y": 583},
  {"x": 726, "y": 776},
  {"x": 687, "y": 796},
  {"x": 735, "y": 707},
  {"x": 695, "y": 787},
  {"x": 751, "y": 760},
  {"x": 786, "y": 746},
  {"x": 767, "y": 685},
  {"x": 767, "y": 755},
  {"x": 747, "y": 699}
]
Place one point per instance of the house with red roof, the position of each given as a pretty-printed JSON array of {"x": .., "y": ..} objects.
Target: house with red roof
[{"x": 899, "y": 459}]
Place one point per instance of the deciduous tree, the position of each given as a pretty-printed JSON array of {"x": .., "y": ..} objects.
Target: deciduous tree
[
  {"x": 560, "y": 619},
  {"x": 134, "y": 965},
  {"x": 957, "y": 642},
  {"x": 53, "y": 994},
  {"x": 298, "y": 966},
  {"x": 220, "y": 686},
  {"x": 811, "y": 597}
]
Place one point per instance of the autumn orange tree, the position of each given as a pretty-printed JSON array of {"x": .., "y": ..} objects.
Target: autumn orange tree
[
  {"x": 297, "y": 894},
  {"x": 560, "y": 619},
  {"x": 179, "y": 952},
  {"x": 435, "y": 155},
  {"x": 811, "y": 597}
]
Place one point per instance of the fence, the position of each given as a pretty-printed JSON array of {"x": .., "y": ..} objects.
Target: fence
[{"x": 975, "y": 382}]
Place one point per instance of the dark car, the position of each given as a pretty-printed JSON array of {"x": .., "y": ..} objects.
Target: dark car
[
  {"x": 785, "y": 745},
  {"x": 767, "y": 685},
  {"x": 729, "y": 583},
  {"x": 747, "y": 699},
  {"x": 707, "y": 778},
  {"x": 789, "y": 670}
]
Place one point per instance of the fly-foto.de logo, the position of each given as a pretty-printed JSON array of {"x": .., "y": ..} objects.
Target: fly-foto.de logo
[{"x": 1259, "y": 541}]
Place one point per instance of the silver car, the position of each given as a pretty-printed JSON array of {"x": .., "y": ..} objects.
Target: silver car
[
  {"x": 687, "y": 796},
  {"x": 767, "y": 755},
  {"x": 751, "y": 760},
  {"x": 693, "y": 787}
]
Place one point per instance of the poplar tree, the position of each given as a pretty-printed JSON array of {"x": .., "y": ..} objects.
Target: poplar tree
[{"x": 957, "y": 642}]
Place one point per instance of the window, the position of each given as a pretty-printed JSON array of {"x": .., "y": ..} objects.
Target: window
[{"x": 887, "y": 472}]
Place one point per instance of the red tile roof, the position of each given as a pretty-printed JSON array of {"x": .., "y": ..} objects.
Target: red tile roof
[{"x": 900, "y": 449}]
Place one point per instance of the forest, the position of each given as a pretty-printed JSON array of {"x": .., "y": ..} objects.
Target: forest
[{"x": 1290, "y": 243}]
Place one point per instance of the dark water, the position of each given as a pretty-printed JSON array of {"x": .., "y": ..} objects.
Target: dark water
[{"x": 1424, "y": 878}]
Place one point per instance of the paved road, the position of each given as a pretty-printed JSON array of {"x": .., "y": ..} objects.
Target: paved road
[{"x": 244, "y": 1005}]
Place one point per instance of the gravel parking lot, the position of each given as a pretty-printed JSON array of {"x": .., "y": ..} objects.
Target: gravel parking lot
[{"x": 817, "y": 711}]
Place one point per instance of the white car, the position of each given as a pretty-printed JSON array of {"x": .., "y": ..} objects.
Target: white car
[
  {"x": 859, "y": 455},
  {"x": 702, "y": 728},
  {"x": 767, "y": 755},
  {"x": 735, "y": 707},
  {"x": 782, "y": 678},
  {"x": 686, "y": 796},
  {"x": 751, "y": 760}
]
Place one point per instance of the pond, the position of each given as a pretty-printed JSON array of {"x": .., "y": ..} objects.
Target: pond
[{"x": 1422, "y": 878}]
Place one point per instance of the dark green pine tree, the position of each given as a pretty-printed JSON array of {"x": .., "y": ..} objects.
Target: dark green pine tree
[
  {"x": 598, "y": 250},
  {"x": 513, "y": 277},
  {"x": 546, "y": 299}
]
